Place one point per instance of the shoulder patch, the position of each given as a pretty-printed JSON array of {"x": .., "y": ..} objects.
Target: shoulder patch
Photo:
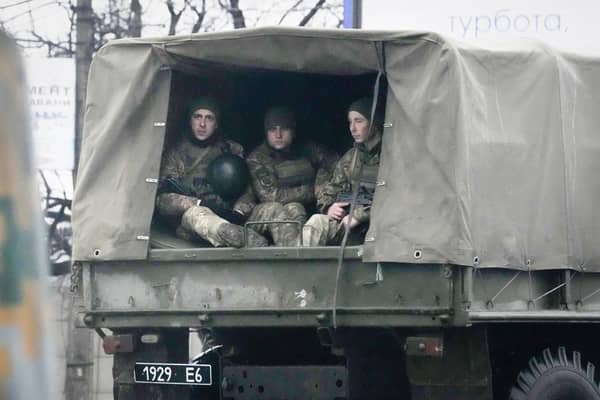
[{"x": 264, "y": 178}]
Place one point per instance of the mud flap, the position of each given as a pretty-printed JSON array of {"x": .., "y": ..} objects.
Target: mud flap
[{"x": 463, "y": 372}]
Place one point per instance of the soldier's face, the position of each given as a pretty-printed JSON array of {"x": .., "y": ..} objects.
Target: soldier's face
[
  {"x": 280, "y": 138},
  {"x": 359, "y": 126},
  {"x": 203, "y": 123}
]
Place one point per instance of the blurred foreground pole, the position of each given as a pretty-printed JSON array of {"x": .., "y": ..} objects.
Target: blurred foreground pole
[
  {"x": 80, "y": 354},
  {"x": 26, "y": 370}
]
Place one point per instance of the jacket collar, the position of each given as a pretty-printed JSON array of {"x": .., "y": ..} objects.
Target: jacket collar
[{"x": 373, "y": 145}]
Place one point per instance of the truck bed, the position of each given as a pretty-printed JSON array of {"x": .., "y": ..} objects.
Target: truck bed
[
  {"x": 285, "y": 287},
  {"x": 265, "y": 287}
]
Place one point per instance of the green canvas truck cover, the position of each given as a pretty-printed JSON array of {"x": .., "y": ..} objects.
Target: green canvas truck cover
[{"x": 490, "y": 157}]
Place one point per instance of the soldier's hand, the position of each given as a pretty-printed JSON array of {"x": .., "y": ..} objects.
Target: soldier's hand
[
  {"x": 349, "y": 220},
  {"x": 337, "y": 211}
]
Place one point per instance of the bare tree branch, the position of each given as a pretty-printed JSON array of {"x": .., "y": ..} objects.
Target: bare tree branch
[
  {"x": 236, "y": 14},
  {"x": 55, "y": 48},
  {"x": 289, "y": 10},
  {"x": 62, "y": 47},
  {"x": 209, "y": 25},
  {"x": 200, "y": 15},
  {"x": 110, "y": 24},
  {"x": 336, "y": 11},
  {"x": 311, "y": 13},
  {"x": 70, "y": 10},
  {"x": 31, "y": 43},
  {"x": 135, "y": 19},
  {"x": 174, "y": 15},
  {"x": 134, "y": 22},
  {"x": 115, "y": 19}
]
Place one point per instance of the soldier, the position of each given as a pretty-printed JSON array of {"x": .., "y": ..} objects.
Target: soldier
[
  {"x": 334, "y": 200},
  {"x": 286, "y": 176},
  {"x": 187, "y": 197}
]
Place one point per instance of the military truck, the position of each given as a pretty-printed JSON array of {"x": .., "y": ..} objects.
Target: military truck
[
  {"x": 25, "y": 359},
  {"x": 478, "y": 277}
]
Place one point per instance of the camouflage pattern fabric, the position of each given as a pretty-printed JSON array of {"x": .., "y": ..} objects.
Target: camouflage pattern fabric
[
  {"x": 24, "y": 360},
  {"x": 358, "y": 166},
  {"x": 362, "y": 160},
  {"x": 286, "y": 184},
  {"x": 187, "y": 163},
  {"x": 282, "y": 234},
  {"x": 202, "y": 222},
  {"x": 320, "y": 230},
  {"x": 287, "y": 177}
]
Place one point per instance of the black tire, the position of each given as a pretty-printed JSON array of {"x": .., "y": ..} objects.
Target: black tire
[{"x": 556, "y": 378}]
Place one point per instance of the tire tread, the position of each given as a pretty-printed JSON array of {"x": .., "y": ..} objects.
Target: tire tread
[{"x": 527, "y": 378}]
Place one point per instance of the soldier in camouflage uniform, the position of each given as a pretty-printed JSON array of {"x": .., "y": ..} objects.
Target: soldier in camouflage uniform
[
  {"x": 286, "y": 176},
  {"x": 358, "y": 166},
  {"x": 187, "y": 165}
]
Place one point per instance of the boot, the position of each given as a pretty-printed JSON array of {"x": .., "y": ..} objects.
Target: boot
[
  {"x": 233, "y": 236},
  {"x": 184, "y": 234}
]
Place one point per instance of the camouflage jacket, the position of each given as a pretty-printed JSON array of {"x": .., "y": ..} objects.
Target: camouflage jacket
[
  {"x": 295, "y": 176},
  {"x": 363, "y": 160},
  {"x": 186, "y": 163}
]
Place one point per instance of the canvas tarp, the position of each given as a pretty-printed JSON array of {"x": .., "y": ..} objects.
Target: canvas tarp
[
  {"x": 488, "y": 156},
  {"x": 492, "y": 158}
]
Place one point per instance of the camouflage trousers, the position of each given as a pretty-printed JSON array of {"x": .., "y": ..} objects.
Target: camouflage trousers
[
  {"x": 282, "y": 234},
  {"x": 203, "y": 222},
  {"x": 320, "y": 230}
]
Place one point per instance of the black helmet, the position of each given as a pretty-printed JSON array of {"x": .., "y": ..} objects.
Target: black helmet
[{"x": 228, "y": 175}]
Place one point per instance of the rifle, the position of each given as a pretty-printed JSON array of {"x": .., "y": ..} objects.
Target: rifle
[
  {"x": 364, "y": 197},
  {"x": 212, "y": 201},
  {"x": 171, "y": 185}
]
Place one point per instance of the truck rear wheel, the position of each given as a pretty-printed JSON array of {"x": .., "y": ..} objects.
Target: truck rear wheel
[{"x": 556, "y": 378}]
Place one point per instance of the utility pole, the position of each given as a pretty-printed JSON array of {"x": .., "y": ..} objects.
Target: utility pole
[
  {"x": 83, "y": 58},
  {"x": 352, "y": 13},
  {"x": 80, "y": 351},
  {"x": 357, "y": 16}
]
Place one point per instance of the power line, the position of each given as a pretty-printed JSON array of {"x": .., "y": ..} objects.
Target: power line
[
  {"x": 18, "y": 3},
  {"x": 24, "y": 13}
]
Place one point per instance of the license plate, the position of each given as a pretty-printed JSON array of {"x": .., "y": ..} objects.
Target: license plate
[{"x": 173, "y": 374}]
